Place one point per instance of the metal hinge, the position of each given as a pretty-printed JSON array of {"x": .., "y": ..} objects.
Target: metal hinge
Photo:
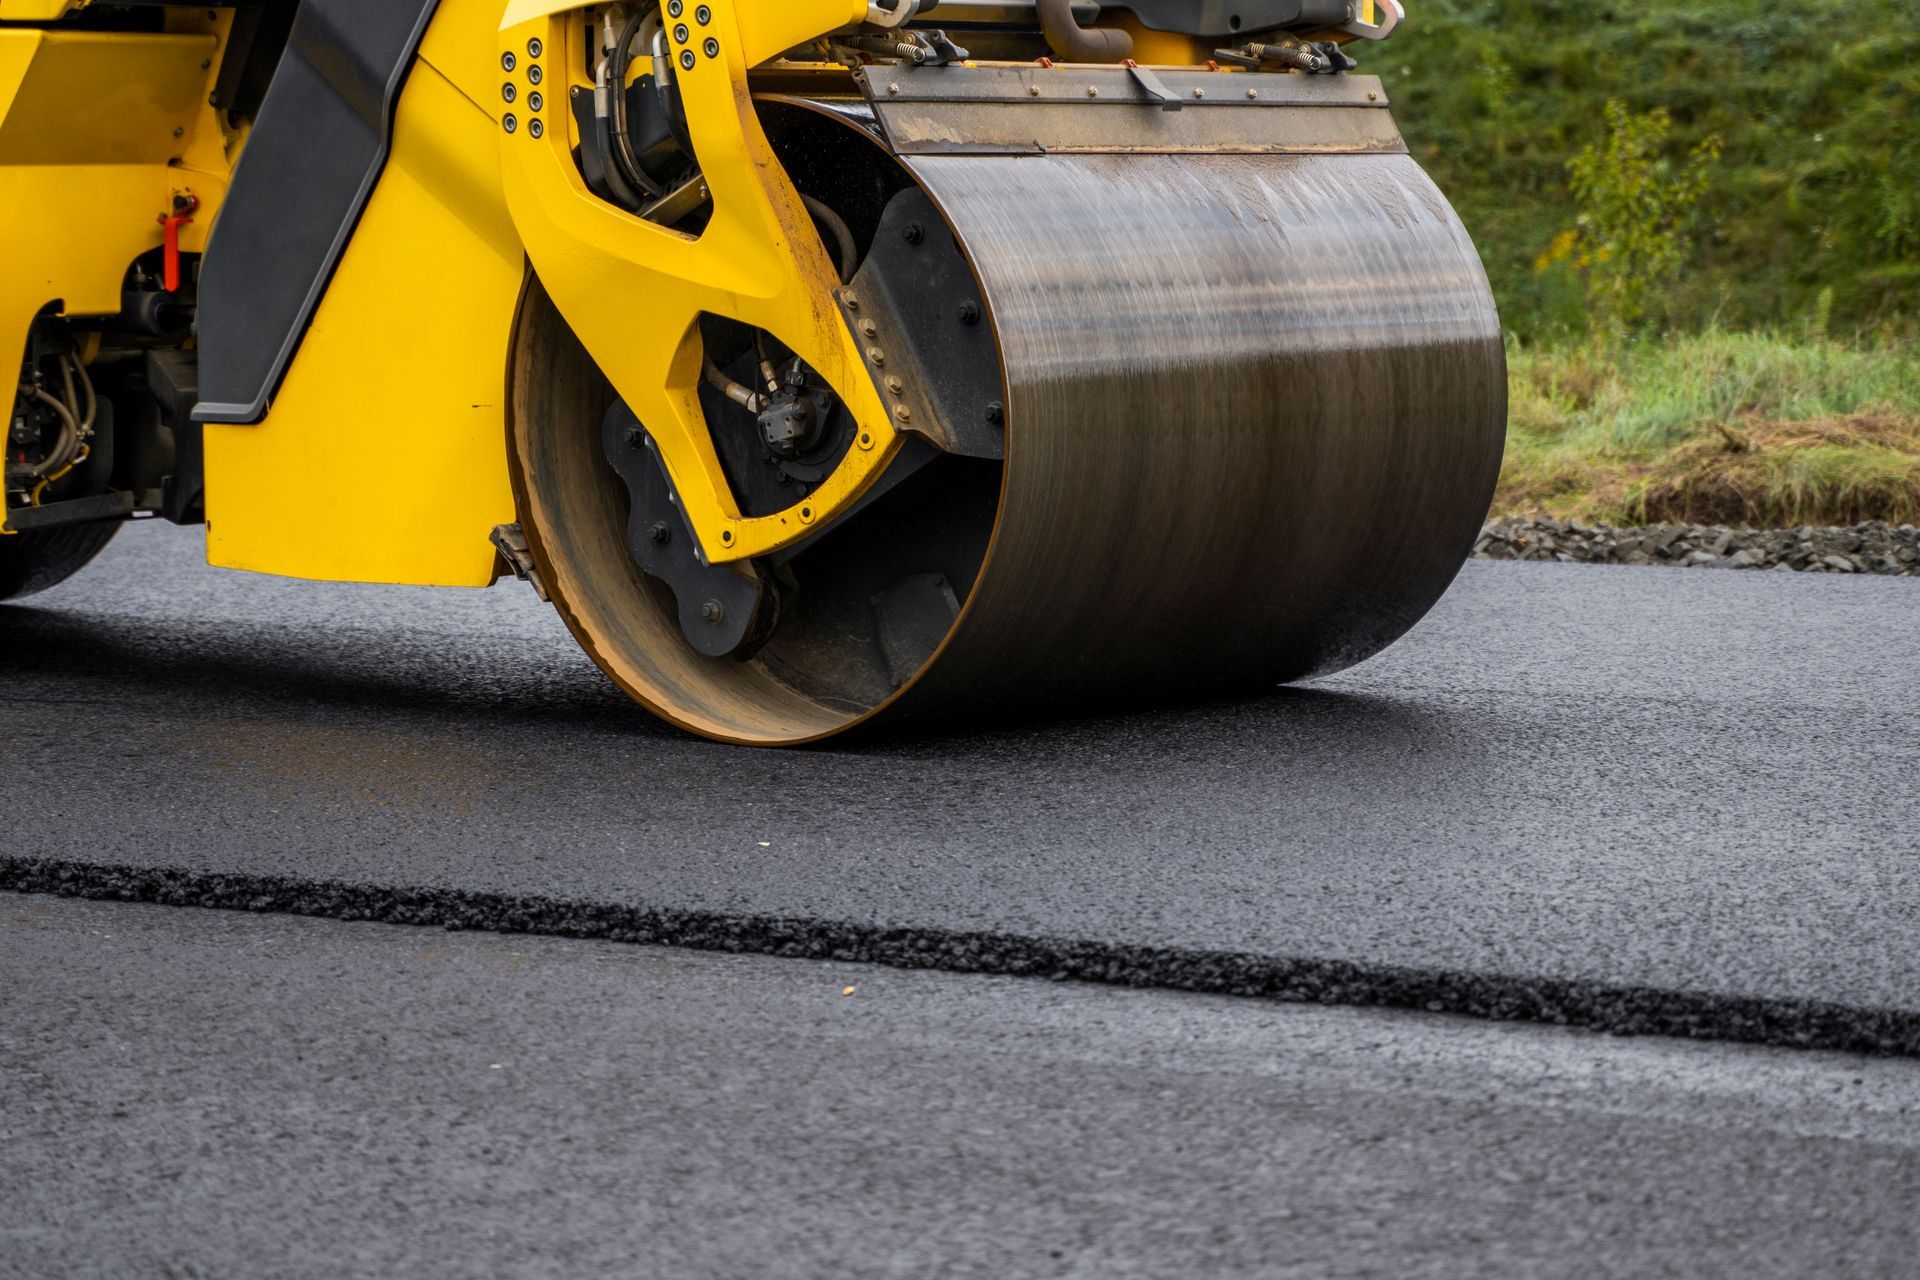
[{"x": 511, "y": 541}]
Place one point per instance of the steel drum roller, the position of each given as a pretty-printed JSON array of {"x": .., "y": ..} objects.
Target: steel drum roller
[{"x": 1254, "y": 415}]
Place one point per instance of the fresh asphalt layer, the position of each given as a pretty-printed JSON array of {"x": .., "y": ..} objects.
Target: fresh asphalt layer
[
  {"x": 201, "y": 1095},
  {"x": 1637, "y": 799}
]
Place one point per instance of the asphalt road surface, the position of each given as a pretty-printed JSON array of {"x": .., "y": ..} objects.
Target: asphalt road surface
[
  {"x": 214, "y": 1094},
  {"x": 1633, "y": 800}
]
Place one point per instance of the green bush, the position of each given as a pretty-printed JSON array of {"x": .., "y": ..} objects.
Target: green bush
[{"x": 1815, "y": 103}]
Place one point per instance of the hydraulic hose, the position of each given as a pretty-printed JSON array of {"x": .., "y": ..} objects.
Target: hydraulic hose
[
  {"x": 623, "y": 157},
  {"x": 1075, "y": 43},
  {"x": 837, "y": 227}
]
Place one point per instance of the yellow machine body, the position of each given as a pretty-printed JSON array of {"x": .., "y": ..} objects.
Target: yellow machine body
[
  {"x": 98, "y": 133},
  {"x": 873, "y": 372},
  {"x": 399, "y": 458}
]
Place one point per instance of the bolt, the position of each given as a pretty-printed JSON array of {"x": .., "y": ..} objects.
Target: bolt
[
  {"x": 535, "y": 128},
  {"x": 508, "y": 91},
  {"x": 902, "y": 414},
  {"x": 853, "y": 303},
  {"x": 1092, "y": 92},
  {"x": 712, "y": 611},
  {"x": 205, "y": 63},
  {"x": 508, "y": 62},
  {"x": 913, "y": 233},
  {"x": 680, "y": 33},
  {"x": 996, "y": 413},
  {"x": 686, "y": 59},
  {"x": 703, "y": 15},
  {"x": 660, "y": 533},
  {"x": 533, "y": 74},
  {"x": 893, "y": 89},
  {"x": 969, "y": 313},
  {"x": 535, "y": 48},
  {"x": 1253, "y": 93},
  {"x": 869, "y": 329},
  {"x": 876, "y": 355},
  {"x": 712, "y": 47},
  {"x": 1199, "y": 93},
  {"x": 1373, "y": 97},
  {"x": 895, "y": 385},
  {"x": 1033, "y": 91},
  {"x": 177, "y": 131},
  {"x": 939, "y": 580},
  {"x": 635, "y": 437},
  {"x": 674, "y": 8}
]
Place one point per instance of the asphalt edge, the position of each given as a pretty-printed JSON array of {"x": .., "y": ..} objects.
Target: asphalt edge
[{"x": 1617, "y": 1010}]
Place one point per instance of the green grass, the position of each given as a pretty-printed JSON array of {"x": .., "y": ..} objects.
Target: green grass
[
  {"x": 1758, "y": 428},
  {"x": 1817, "y": 103}
]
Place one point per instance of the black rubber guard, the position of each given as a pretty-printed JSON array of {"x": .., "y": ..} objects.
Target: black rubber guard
[{"x": 309, "y": 166}]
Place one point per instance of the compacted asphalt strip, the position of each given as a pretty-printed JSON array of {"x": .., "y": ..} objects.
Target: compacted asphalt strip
[
  {"x": 1635, "y": 799},
  {"x": 199, "y": 1095}
]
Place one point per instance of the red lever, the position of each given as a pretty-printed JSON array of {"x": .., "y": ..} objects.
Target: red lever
[{"x": 183, "y": 207}]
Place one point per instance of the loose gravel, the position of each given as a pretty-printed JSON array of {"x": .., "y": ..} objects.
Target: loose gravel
[{"x": 1874, "y": 547}]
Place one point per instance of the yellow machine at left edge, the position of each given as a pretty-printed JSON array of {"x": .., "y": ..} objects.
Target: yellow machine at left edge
[{"x": 817, "y": 360}]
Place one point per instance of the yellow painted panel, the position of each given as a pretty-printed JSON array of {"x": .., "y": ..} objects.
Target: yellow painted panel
[
  {"x": 461, "y": 45},
  {"x": 100, "y": 98},
  {"x": 383, "y": 457},
  {"x": 38, "y": 10}
]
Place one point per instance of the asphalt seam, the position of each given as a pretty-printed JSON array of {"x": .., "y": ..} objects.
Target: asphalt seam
[{"x": 1615, "y": 1009}]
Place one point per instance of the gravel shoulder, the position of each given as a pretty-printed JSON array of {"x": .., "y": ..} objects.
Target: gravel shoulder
[{"x": 1874, "y": 547}]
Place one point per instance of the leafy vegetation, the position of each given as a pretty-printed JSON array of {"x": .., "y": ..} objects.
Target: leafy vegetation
[
  {"x": 1702, "y": 222},
  {"x": 1816, "y": 193}
]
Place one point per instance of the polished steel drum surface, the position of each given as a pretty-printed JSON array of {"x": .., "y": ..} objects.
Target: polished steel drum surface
[
  {"x": 1257, "y": 406},
  {"x": 1255, "y": 413}
]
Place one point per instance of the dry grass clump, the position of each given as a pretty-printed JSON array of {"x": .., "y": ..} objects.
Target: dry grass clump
[{"x": 1718, "y": 429}]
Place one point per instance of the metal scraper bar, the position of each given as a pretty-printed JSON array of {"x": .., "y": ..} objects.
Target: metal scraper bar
[{"x": 1009, "y": 109}]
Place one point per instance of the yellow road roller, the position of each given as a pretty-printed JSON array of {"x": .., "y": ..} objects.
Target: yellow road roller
[{"x": 816, "y": 359}]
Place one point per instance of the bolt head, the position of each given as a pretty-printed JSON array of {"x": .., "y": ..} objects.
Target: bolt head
[
  {"x": 660, "y": 533},
  {"x": 712, "y": 611},
  {"x": 913, "y": 233},
  {"x": 996, "y": 413},
  {"x": 635, "y": 437},
  {"x": 969, "y": 313}
]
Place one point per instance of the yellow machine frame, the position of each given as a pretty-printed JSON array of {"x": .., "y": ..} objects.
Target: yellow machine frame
[{"x": 383, "y": 455}]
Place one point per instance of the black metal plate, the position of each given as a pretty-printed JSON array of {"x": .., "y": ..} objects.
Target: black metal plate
[
  {"x": 310, "y": 165},
  {"x": 919, "y": 315},
  {"x": 724, "y": 610}
]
